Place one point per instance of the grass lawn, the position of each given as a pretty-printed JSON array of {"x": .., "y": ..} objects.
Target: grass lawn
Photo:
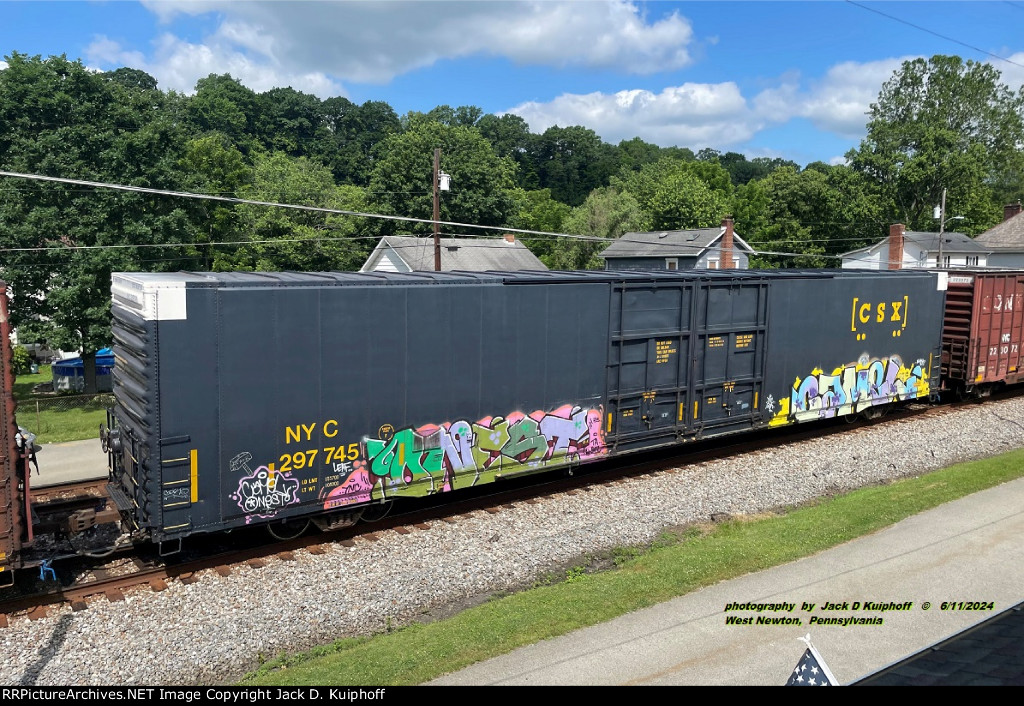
[
  {"x": 674, "y": 566},
  {"x": 53, "y": 418}
]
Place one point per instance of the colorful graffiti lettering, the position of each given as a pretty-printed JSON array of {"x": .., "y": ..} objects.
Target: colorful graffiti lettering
[
  {"x": 424, "y": 460},
  {"x": 851, "y": 389},
  {"x": 265, "y": 492},
  {"x": 431, "y": 457}
]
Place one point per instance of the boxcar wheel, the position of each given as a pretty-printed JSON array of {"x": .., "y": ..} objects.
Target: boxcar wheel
[
  {"x": 377, "y": 511},
  {"x": 284, "y": 530}
]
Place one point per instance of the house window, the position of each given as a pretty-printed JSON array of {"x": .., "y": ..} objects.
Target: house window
[
  {"x": 945, "y": 260},
  {"x": 671, "y": 263},
  {"x": 712, "y": 263},
  {"x": 972, "y": 261}
]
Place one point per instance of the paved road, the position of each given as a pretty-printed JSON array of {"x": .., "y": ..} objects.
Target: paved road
[
  {"x": 70, "y": 461},
  {"x": 967, "y": 550}
]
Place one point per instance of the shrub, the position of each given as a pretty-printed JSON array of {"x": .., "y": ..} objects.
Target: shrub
[{"x": 21, "y": 361}]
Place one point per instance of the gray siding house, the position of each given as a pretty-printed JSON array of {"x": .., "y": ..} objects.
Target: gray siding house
[
  {"x": 701, "y": 248},
  {"x": 1006, "y": 240},
  {"x": 401, "y": 253},
  {"x": 917, "y": 249}
]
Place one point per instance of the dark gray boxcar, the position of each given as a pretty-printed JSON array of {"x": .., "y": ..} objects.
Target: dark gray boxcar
[{"x": 257, "y": 397}]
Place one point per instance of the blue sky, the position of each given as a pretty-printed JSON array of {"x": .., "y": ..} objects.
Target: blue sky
[{"x": 788, "y": 79}]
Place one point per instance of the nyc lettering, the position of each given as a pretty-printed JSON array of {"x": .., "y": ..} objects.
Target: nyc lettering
[{"x": 329, "y": 455}]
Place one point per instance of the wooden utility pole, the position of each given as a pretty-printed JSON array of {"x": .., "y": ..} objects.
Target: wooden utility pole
[
  {"x": 942, "y": 227},
  {"x": 437, "y": 212}
]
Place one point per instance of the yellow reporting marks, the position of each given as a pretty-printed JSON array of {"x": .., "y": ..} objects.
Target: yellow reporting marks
[{"x": 867, "y": 316}]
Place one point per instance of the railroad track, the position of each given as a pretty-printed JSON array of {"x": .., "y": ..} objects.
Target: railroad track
[{"x": 111, "y": 582}]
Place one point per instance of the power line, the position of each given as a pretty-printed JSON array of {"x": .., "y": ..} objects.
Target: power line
[
  {"x": 253, "y": 202},
  {"x": 941, "y": 36},
  {"x": 320, "y": 209}
]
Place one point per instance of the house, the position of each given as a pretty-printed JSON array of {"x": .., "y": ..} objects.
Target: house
[
  {"x": 702, "y": 248},
  {"x": 403, "y": 253},
  {"x": 910, "y": 248},
  {"x": 1006, "y": 240}
]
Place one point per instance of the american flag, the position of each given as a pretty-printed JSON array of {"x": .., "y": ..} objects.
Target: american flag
[{"x": 811, "y": 670}]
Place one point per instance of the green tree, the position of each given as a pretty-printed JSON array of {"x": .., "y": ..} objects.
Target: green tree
[
  {"x": 676, "y": 196},
  {"x": 572, "y": 162},
  {"x": 606, "y": 213},
  {"x": 538, "y": 211},
  {"x": 401, "y": 182},
  {"x": 635, "y": 153},
  {"x": 293, "y": 239},
  {"x": 816, "y": 212},
  {"x": 941, "y": 123},
  {"x": 349, "y": 135},
  {"x": 213, "y": 165},
  {"x": 510, "y": 136},
  {"x": 222, "y": 104},
  {"x": 60, "y": 119},
  {"x": 289, "y": 121}
]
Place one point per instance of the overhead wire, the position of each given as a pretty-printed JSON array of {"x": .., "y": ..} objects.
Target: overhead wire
[
  {"x": 941, "y": 36},
  {"x": 320, "y": 209}
]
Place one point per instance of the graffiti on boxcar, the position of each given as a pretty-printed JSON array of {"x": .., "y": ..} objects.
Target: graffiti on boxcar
[
  {"x": 431, "y": 457},
  {"x": 354, "y": 487},
  {"x": 265, "y": 492},
  {"x": 852, "y": 388}
]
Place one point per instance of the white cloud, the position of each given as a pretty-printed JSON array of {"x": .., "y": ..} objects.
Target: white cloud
[
  {"x": 718, "y": 115},
  {"x": 837, "y": 103},
  {"x": 694, "y": 115},
  {"x": 376, "y": 41},
  {"x": 1012, "y": 76},
  {"x": 177, "y": 65},
  {"x": 3, "y": 65}
]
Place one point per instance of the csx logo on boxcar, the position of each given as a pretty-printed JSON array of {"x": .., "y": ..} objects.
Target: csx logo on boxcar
[{"x": 865, "y": 315}]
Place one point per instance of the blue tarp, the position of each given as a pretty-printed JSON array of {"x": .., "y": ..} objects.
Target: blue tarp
[{"x": 73, "y": 367}]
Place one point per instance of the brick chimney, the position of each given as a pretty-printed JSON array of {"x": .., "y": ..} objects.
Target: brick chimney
[
  {"x": 896, "y": 231},
  {"x": 510, "y": 237},
  {"x": 727, "y": 244},
  {"x": 1010, "y": 210}
]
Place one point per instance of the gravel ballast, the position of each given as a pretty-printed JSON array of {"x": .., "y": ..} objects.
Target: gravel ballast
[{"x": 215, "y": 630}]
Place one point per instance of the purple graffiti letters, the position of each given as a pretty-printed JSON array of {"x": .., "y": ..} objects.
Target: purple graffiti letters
[{"x": 855, "y": 387}]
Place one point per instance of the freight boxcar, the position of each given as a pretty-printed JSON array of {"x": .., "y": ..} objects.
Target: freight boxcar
[
  {"x": 250, "y": 398},
  {"x": 983, "y": 331}
]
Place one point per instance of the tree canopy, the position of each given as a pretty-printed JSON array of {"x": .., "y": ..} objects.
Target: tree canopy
[
  {"x": 942, "y": 123},
  {"x": 938, "y": 123}
]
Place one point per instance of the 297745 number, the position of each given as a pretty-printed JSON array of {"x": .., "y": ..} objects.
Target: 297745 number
[{"x": 331, "y": 454}]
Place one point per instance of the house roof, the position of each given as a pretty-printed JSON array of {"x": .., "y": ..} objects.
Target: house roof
[
  {"x": 1008, "y": 235},
  {"x": 456, "y": 254},
  {"x": 952, "y": 243},
  {"x": 668, "y": 243}
]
